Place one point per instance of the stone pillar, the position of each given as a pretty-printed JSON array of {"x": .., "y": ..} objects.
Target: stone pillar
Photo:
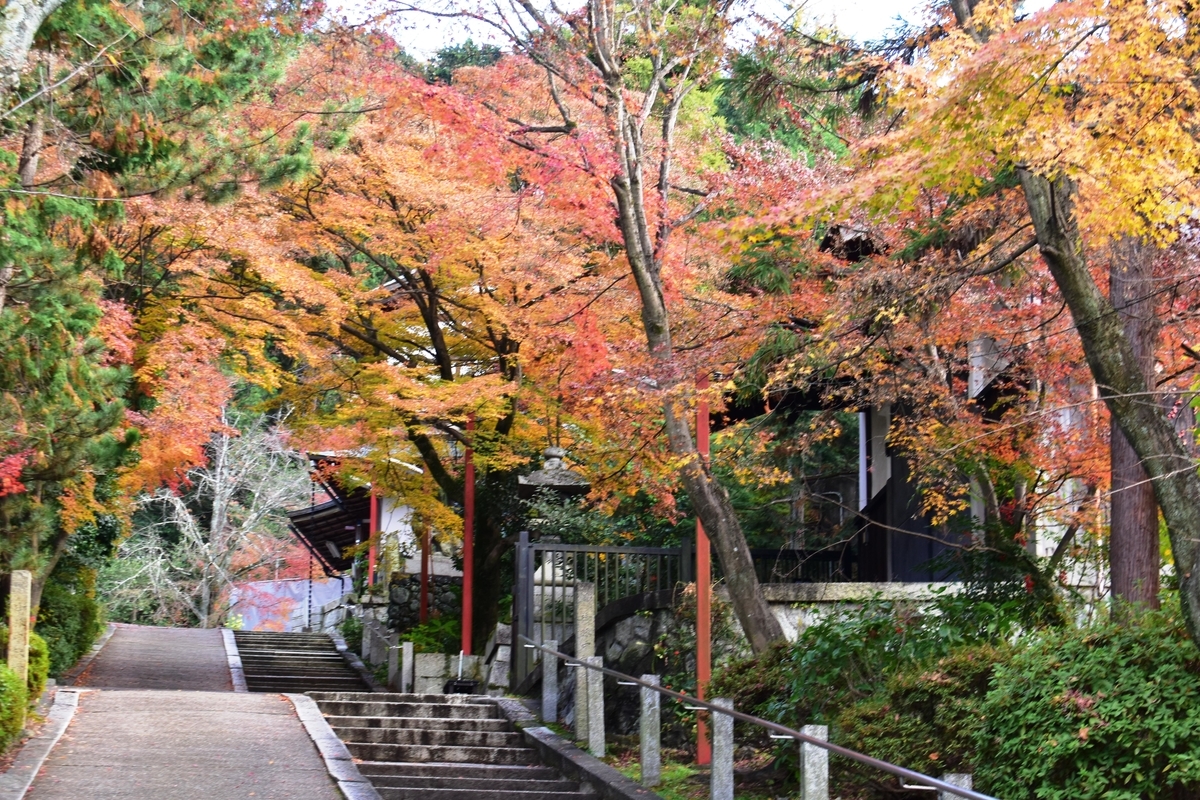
[
  {"x": 956, "y": 779},
  {"x": 365, "y": 655},
  {"x": 722, "y": 751},
  {"x": 550, "y": 683},
  {"x": 595, "y": 705},
  {"x": 393, "y": 662},
  {"x": 585, "y": 647},
  {"x": 406, "y": 667},
  {"x": 651, "y": 734},
  {"x": 19, "y": 601},
  {"x": 814, "y": 764}
]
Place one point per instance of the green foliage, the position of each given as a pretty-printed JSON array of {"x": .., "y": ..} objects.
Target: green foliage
[
  {"x": 1106, "y": 712},
  {"x": 39, "y": 664},
  {"x": 441, "y": 634},
  {"x": 450, "y": 59},
  {"x": 352, "y": 632},
  {"x": 39, "y": 667},
  {"x": 14, "y": 700},
  {"x": 926, "y": 718},
  {"x": 69, "y": 617}
]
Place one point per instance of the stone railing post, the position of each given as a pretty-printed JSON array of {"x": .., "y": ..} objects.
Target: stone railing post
[
  {"x": 406, "y": 667},
  {"x": 651, "y": 734},
  {"x": 19, "y": 601},
  {"x": 393, "y": 663},
  {"x": 585, "y": 647},
  {"x": 814, "y": 764},
  {"x": 960, "y": 780},
  {"x": 550, "y": 683},
  {"x": 722, "y": 751},
  {"x": 595, "y": 705}
]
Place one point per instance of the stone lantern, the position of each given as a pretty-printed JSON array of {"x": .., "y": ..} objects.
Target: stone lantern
[{"x": 553, "y": 475}]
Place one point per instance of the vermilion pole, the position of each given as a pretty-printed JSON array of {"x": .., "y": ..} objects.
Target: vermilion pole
[
  {"x": 372, "y": 538},
  {"x": 703, "y": 592},
  {"x": 468, "y": 599}
]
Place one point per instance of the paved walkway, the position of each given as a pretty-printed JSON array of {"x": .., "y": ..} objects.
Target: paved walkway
[{"x": 175, "y": 730}]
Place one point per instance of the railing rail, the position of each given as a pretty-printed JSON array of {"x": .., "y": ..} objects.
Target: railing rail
[{"x": 885, "y": 766}]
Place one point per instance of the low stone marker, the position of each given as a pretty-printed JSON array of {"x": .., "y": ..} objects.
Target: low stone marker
[
  {"x": 393, "y": 664},
  {"x": 722, "y": 751},
  {"x": 19, "y": 601},
  {"x": 595, "y": 702},
  {"x": 956, "y": 779},
  {"x": 651, "y": 734},
  {"x": 550, "y": 683},
  {"x": 406, "y": 667},
  {"x": 585, "y": 647},
  {"x": 814, "y": 764}
]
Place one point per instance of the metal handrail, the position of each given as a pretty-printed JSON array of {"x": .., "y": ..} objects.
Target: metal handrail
[{"x": 853, "y": 755}]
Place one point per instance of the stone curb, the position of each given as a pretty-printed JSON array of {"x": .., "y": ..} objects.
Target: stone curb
[
  {"x": 33, "y": 754},
  {"x": 74, "y": 672},
  {"x": 573, "y": 763},
  {"x": 337, "y": 758},
  {"x": 357, "y": 663},
  {"x": 236, "y": 673}
]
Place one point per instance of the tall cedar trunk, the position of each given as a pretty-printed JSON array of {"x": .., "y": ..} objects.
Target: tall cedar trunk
[
  {"x": 1133, "y": 554},
  {"x": 1122, "y": 384}
]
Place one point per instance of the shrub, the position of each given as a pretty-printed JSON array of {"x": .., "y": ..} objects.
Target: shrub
[
  {"x": 926, "y": 718},
  {"x": 14, "y": 700},
  {"x": 352, "y": 632},
  {"x": 39, "y": 663},
  {"x": 69, "y": 617},
  {"x": 440, "y": 634},
  {"x": 1110, "y": 712}
]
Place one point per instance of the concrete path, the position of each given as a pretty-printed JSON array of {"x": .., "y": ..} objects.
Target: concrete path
[
  {"x": 175, "y": 730},
  {"x": 144, "y": 657}
]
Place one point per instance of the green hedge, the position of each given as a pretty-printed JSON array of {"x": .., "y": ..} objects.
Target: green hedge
[
  {"x": 69, "y": 618},
  {"x": 14, "y": 700},
  {"x": 39, "y": 663},
  {"x": 1107, "y": 712}
]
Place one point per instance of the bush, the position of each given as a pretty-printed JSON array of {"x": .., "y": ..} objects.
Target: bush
[
  {"x": 1108, "y": 712},
  {"x": 39, "y": 663},
  {"x": 14, "y": 700},
  {"x": 352, "y": 632},
  {"x": 439, "y": 635},
  {"x": 69, "y": 617},
  {"x": 926, "y": 718}
]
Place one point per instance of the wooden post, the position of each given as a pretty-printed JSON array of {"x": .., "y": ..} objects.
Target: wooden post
[
  {"x": 703, "y": 592},
  {"x": 468, "y": 597},
  {"x": 19, "y": 601}
]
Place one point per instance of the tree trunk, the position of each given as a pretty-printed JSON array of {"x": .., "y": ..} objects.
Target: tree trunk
[
  {"x": 709, "y": 499},
  {"x": 1133, "y": 554},
  {"x": 18, "y": 25},
  {"x": 1122, "y": 384}
]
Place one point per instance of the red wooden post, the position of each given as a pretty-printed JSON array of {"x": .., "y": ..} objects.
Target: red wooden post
[
  {"x": 372, "y": 539},
  {"x": 468, "y": 598},
  {"x": 426, "y": 543},
  {"x": 703, "y": 593}
]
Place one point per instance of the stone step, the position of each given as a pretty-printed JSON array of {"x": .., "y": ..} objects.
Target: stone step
[
  {"x": 420, "y": 753},
  {"x": 359, "y": 708},
  {"x": 475, "y": 794},
  {"x": 437, "y": 723},
  {"x": 406, "y": 697},
  {"x": 432, "y": 737},
  {"x": 389, "y": 769},
  {"x": 482, "y": 785}
]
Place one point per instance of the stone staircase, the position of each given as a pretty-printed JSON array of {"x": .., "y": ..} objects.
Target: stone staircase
[
  {"x": 294, "y": 662},
  {"x": 441, "y": 747}
]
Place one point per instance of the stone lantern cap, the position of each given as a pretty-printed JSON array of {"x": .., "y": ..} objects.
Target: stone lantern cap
[{"x": 553, "y": 475}]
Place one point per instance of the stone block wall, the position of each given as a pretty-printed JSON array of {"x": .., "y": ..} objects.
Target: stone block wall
[{"x": 404, "y": 599}]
